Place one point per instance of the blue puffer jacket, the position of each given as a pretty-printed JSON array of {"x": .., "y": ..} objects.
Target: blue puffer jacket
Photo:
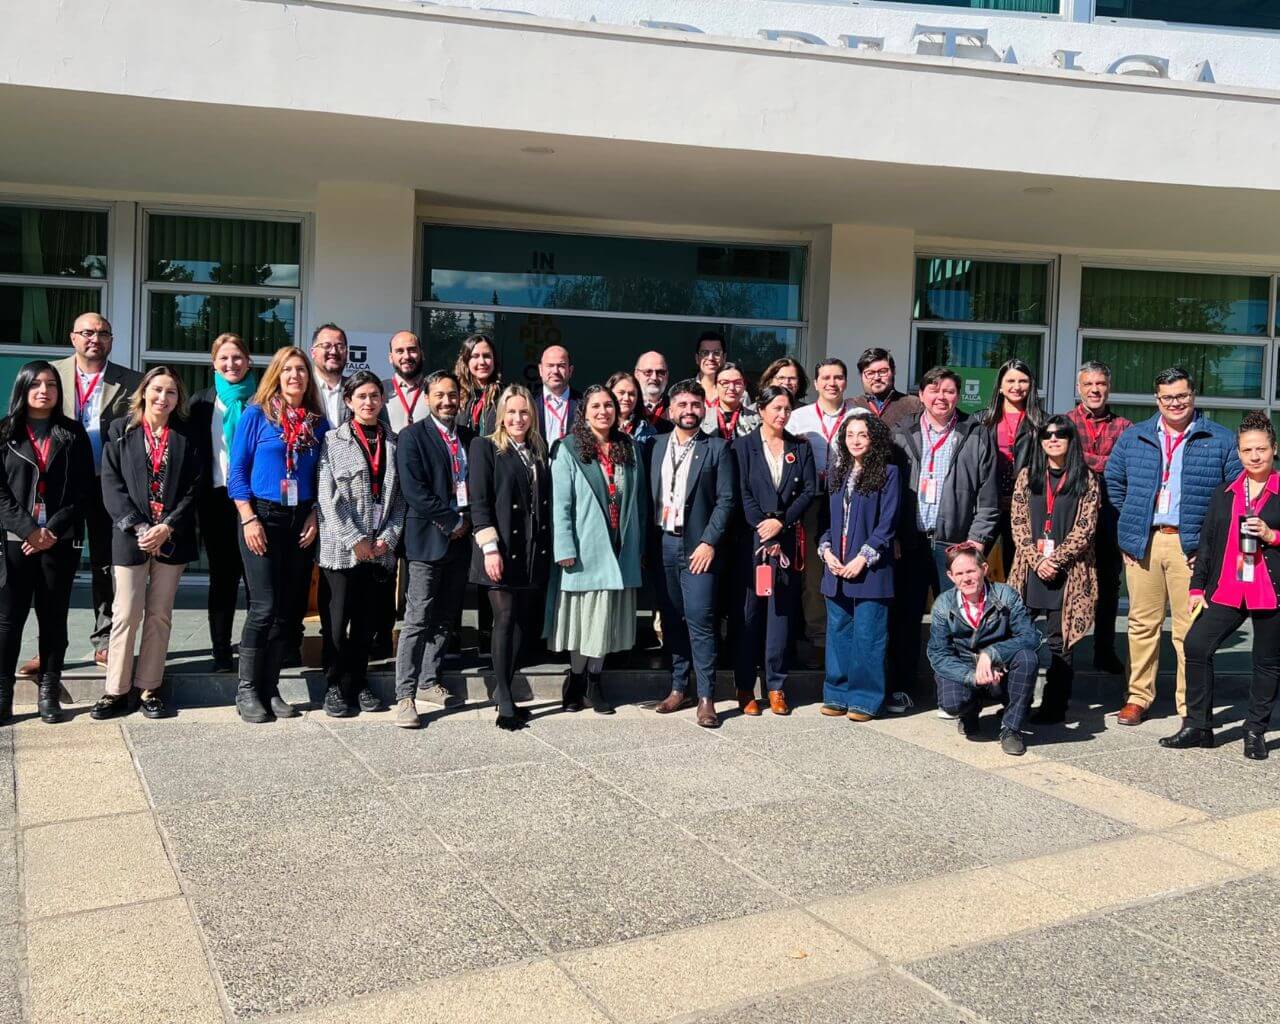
[{"x": 1209, "y": 460}]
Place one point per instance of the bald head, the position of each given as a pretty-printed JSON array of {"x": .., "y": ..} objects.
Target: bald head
[
  {"x": 652, "y": 373},
  {"x": 555, "y": 369},
  {"x": 406, "y": 354},
  {"x": 91, "y": 338}
]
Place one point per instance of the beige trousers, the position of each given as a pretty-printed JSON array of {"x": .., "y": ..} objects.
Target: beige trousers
[
  {"x": 1163, "y": 576},
  {"x": 144, "y": 597},
  {"x": 811, "y": 599}
]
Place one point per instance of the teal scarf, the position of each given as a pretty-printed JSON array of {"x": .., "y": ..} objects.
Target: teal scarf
[{"x": 234, "y": 397}]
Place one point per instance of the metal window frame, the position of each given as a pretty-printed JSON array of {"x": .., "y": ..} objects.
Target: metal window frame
[{"x": 1063, "y": 14}]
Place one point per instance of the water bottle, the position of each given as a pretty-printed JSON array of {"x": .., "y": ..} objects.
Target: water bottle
[{"x": 1248, "y": 542}]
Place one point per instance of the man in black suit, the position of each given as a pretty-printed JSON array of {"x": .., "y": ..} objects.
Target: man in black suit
[
  {"x": 556, "y": 402},
  {"x": 694, "y": 480},
  {"x": 431, "y": 460}
]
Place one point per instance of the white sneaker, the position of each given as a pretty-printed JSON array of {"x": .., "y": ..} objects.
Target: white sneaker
[
  {"x": 899, "y": 703},
  {"x": 946, "y": 716}
]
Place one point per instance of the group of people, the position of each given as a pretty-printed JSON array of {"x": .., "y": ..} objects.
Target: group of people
[{"x": 751, "y": 523}]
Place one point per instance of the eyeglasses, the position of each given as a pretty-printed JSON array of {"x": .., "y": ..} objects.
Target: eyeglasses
[
  {"x": 336, "y": 346},
  {"x": 736, "y": 385},
  {"x": 94, "y": 334},
  {"x": 652, "y": 373},
  {"x": 707, "y": 353},
  {"x": 878, "y": 373},
  {"x": 1173, "y": 401}
]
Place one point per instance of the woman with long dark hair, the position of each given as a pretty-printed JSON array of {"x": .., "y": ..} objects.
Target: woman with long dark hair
[
  {"x": 785, "y": 372},
  {"x": 480, "y": 382},
  {"x": 511, "y": 523},
  {"x": 857, "y": 568},
  {"x": 151, "y": 466},
  {"x": 1056, "y": 500},
  {"x": 47, "y": 471},
  {"x": 1013, "y": 416},
  {"x": 215, "y": 416},
  {"x": 598, "y": 532},
  {"x": 631, "y": 418},
  {"x": 778, "y": 481},
  {"x": 275, "y": 462}
]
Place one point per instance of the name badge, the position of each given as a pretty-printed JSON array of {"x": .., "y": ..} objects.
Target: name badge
[
  {"x": 289, "y": 492},
  {"x": 460, "y": 494},
  {"x": 929, "y": 490},
  {"x": 670, "y": 518},
  {"x": 39, "y": 513},
  {"x": 1044, "y": 547},
  {"x": 1245, "y": 575},
  {"x": 1163, "y": 501},
  {"x": 379, "y": 513}
]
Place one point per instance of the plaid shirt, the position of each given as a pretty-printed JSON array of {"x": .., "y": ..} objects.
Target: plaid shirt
[
  {"x": 926, "y": 514},
  {"x": 1108, "y": 428}
]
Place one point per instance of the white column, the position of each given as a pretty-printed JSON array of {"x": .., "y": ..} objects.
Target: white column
[
  {"x": 1063, "y": 344},
  {"x": 362, "y": 277},
  {"x": 866, "y": 290},
  {"x": 119, "y": 299}
]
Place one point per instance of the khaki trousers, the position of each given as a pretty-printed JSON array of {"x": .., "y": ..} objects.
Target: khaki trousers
[
  {"x": 1163, "y": 576},
  {"x": 144, "y": 597}
]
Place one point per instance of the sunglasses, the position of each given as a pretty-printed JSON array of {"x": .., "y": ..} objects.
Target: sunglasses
[{"x": 1055, "y": 435}]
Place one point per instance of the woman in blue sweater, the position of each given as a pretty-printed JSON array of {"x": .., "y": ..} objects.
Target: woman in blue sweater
[{"x": 275, "y": 459}]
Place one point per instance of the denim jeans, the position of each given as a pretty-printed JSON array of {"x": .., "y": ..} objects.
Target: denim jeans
[
  {"x": 857, "y": 635},
  {"x": 431, "y": 608},
  {"x": 688, "y": 604},
  {"x": 1015, "y": 691}
]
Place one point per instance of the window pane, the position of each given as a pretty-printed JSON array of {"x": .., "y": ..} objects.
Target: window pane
[
  {"x": 1233, "y": 13},
  {"x": 60, "y": 243},
  {"x": 185, "y": 322},
  {"x": 1158, "y": 300},
  {"x": 212, "y": 250},
  {"x": 597, "y": 346},
  {"x": 959, "y": 289},
  {"x": 1220, "y": 371},
  {"x": 1229, "y": 418},
  {"x": 622, "y": 275},
  {"x": 43, "y": 316},
  {"x": 1033, "y": 6},
  {"x": 195, "y": 376}
]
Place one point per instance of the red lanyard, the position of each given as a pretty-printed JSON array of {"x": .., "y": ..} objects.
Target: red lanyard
[
  {"x": 1050, "y": 499},
  {"x": 82, "y": 397},
  {"x": 41, "y": 451},
  {"x": 659, "y": 410},
  {"x": 375, "y": 456},
  {"x": 728, "y": 430},
  {"x": 477, "y": 411},
  {"x": 1171, "y": 445},
  {"x": 822, "y": 424},
  {"x": 978, "y": 609},
  {"x": 607, "y": 465},
  {"x": 933, "y": 452},
  {"x": 1093, "y": 430},
  {"x": 559, "y": 416},
  {"x": 877, "y": 405},
  {"x": 408, "y": 406},
  {"x": 293, "y": 422},
  {"x": 156, "y": 455},
  {"x": 452, "y": 444},
  {"x": 628, "y": 426}
]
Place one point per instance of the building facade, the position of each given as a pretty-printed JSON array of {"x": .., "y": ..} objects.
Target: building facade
[{"x": 959, "y": 182}]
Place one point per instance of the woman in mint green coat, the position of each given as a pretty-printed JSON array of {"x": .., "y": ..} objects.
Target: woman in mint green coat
[{"x": 597, "y": 526}]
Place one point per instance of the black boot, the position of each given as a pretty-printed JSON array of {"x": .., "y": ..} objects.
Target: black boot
[
  {"x": 1255, "y": 745},
  {"x": 1188, "y": 736},
  {"x": 595, "y": 695},
  {"x": 220, "y": 640},
  {"x": 248, "y": 701},
  {"x": 49, "y": 700},
  {"x": 6, "y": 700},
  {"x": 222, "y": 659},
  {"x": 571, "y": 692},
  {"x": 270, "y": 680}
]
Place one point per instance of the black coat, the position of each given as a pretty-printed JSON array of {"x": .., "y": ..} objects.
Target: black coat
[
  {"x": 68, "y": 479},
  {"x": 200, "y": 427},
  {"x": 426, "y": 479},
  {"x": 125, "y": 492},
  {"x": 1218, "y": 522},
  {"x": 710, "y": 497},
  {"x": 504, "y": 501},
  {"x": 787, "y": 502}
]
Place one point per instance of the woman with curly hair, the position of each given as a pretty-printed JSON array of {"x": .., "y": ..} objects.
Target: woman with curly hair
[
  {"x": 1055, "y": 518},
  {"x": 857, "y": 568},
  {"x": 597, "y": 526},
  {"x": 480, "y": 378}
]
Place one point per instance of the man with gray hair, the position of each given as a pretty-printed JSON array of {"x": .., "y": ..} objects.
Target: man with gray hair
[
  {"x": 1099, "y": 429},
  {"x": 651, "y": 374}
]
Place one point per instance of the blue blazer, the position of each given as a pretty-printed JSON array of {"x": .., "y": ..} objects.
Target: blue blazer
[
  {"x": 788, "y": 501},
  {"x": 426, "y": 480},
  {"x": 709, "y": 498},
  {"x": 873, "y": 521}
]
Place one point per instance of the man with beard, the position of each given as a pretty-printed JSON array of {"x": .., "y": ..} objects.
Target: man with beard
[
  {"x": 406, "y": 401},
  {"x": 693, "y": 479},
  {"x": 329, "y": 356},
  {"x": 879, "y": 395},
  {"x": 431, "y": 460},
  {"x": 652, "y": 373}
]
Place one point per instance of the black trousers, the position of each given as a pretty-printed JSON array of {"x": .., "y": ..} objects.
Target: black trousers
[
  {"x": 1060, "y": 676},
  {"x": 279, "y": 582},
  {"x": 102, "y": 582},
  {"x": 355, "y": 607},
  {"x": 510, "y": 608},
  {"x": 1110, "y": 566},
  {"x": 920, "y": 571},
  {"x": 44, "y": 579},
  {"x": 1207, "y": 634},
  {"x": 220, "y": 532}
]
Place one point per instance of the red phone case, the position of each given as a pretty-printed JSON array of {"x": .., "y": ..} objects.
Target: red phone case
[{"x": 764, "y": 580}]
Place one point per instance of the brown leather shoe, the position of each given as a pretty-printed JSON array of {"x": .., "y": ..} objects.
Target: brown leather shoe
[
  {"x": 832, "y": 712},
  {"x": 778, "y": 703},
  {"x": 30, "y": 668},
  {"x": 859, "y": 716},
  {"x": 707, "y": 717},
  {"x": 1131, "y": 714},
  {"x": 674, "y": 701},
  {"x": 748, "y": 704},
  {"x": 100, "y": 658}
]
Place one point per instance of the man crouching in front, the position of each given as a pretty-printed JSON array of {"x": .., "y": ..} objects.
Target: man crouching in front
[{"x": 983, "y": 646}]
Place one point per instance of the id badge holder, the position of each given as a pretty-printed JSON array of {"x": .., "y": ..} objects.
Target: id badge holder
[
  {"x": 929, "y": 490},
  {"x": 666, "y": 518},
  {"x": 289, "y": 492},
  {"x": 460, "y": 494},
  {"x": 1044, "y": 547},
  {"x": 1246, "y": 570},
  {"x": 1162, "y": 501}
]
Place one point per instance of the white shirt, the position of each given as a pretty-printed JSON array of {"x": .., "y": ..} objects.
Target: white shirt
[
  {"x": 809, "y": 421},
  {"x": 220, "y": 454},
  {"x": 91, "y": 414},
  {"x": 673, "y": 489},
  {"x": 335, "y": 411},
  {"x": 774, "y": 461},
  {"x": 557, "y": 421},
  {"x": 396, "y": 414}
]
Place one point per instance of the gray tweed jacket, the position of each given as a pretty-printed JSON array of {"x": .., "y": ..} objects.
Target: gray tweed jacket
[{"x": 346, "y": 509}]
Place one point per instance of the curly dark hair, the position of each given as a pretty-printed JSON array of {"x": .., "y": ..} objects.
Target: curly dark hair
[
  {"x": 874, "y": 464},
  {"x": 585, "y": 441}
]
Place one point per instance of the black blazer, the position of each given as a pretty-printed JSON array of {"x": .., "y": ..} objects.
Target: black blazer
[
  {"x": 200, "y": 426},
  {"x": 710, "y": 497},
  {"x": 426, "y": 479},
  {"x": 1218, "y": 522},
  {"x": 126, "y": 496},
  {"x": 508, "y": 508},
  {"x": 761, "y": 500},
  {"x": 67, "y": 482},
  {"x": 570, "y": 411}
]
